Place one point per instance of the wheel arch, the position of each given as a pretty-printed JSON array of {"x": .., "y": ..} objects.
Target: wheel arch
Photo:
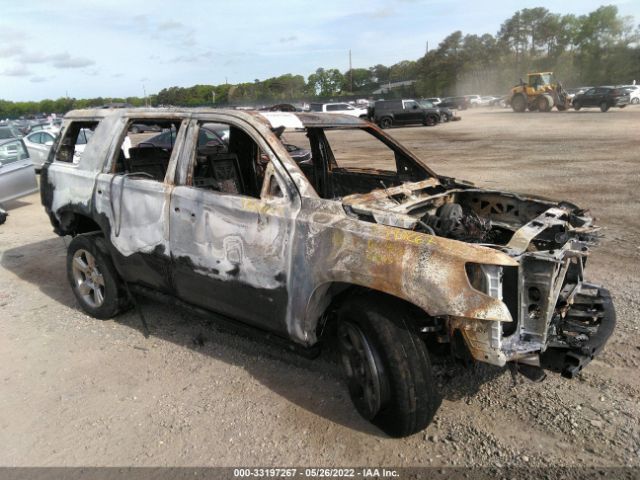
[
  {"x": 329, "y": 296},
  {"x": 74, "y": 222}
]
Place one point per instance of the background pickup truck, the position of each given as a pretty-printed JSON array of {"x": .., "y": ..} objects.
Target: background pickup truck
[{"x": 343, "y": 108}]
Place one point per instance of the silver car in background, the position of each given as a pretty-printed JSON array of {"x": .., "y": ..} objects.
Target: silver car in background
[
  {"x": 38, "y": 144},
  {"x": 17, "y": 175}
]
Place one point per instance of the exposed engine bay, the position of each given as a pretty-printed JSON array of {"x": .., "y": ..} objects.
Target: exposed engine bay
[
  {"x": 552, "y": 308},
  {"x": 462, "y": 212}
]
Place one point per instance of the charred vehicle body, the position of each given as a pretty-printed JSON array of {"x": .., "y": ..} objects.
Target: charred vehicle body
[{"x": 393, "y": 259}]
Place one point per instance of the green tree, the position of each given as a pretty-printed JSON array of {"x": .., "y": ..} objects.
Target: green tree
[{"x": 325, "y": 83}]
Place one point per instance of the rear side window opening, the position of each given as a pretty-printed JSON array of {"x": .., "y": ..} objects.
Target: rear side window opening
[{"x": 75, "y": 139}]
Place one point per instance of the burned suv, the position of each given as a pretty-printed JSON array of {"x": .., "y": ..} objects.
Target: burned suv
[{"x": 362, "y": 243}]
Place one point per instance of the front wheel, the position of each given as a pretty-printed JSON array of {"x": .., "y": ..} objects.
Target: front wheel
[
  {"x": 577, "y": 106},
  {"x": 387, "y": 365},
  {"x": 93, "y": 278},
  {"x": 518, "y": 103},
  {"x": 604, "y": 106},
  {"x": 635, "y": 101}
]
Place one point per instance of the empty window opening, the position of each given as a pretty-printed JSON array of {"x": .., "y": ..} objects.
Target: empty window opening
[{"x": 77, "y": 136}]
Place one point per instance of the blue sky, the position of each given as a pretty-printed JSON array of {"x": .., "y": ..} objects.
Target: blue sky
[{"x": 54, "y": 48}]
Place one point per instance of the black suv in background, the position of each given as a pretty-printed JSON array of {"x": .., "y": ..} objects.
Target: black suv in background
[
  {"x": 459, "y": 103},
  {"x": 402, "y": 112},
  {"x": 603, "y": 97}
]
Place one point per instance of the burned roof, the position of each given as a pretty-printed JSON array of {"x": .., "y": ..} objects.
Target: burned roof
[
  {"x": 311, "y": 120},
  {"x": 293, "y": 120}
]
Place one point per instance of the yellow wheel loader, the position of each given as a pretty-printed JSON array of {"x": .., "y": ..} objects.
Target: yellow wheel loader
[{"x": 542, "y": 92}]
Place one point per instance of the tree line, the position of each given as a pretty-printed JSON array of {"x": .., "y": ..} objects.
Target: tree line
[{"x": 601, "y": 47}]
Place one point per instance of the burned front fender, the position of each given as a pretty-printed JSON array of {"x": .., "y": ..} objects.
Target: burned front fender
[{"x": 423, "y": 269}]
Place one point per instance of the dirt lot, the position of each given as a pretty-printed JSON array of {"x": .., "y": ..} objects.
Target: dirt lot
[{"x": 77, "y": 391}]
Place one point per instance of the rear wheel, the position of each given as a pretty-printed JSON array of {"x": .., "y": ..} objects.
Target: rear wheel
[
  {"x": 387, "y": 365},
  {"x": 604, "y": 106},
  {"x": 385, "y": 122},
  {"x": 519, "y": 103},
  {"x": 430, "y": 121},
  {"x": 93, "y": 278},
  {"x": 445, "y": 118},
  {"x": 635, "y": 101},
  {"x": 577, "y": 105}
]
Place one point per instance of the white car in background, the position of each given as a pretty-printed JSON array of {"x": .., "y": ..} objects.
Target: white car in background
[
  {"x": 84, "y": 135},
  {"x": 634, "y": 93},
  {"x": 343, "y": 108},
  {"x": 38, "y": 144},
  {"x": 474, "y": 100}
]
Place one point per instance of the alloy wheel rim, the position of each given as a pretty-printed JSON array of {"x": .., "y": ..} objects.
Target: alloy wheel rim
[
  {"x": 363, "y": 371},
  {"x": 88, "y": 279}
]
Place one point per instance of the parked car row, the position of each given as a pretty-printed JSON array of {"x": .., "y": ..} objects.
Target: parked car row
[{"x": 24, "y": 126}]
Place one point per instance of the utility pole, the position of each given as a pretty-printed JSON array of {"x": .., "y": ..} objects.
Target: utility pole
[
  {"x": 213, "y": 96},
  {"x": 144, "y": 91},
  {"x": 427, "y": 49},
  {"x": 350, "y": 73}
]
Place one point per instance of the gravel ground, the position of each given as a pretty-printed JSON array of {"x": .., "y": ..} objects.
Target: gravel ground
[{"x": 77, "y": 391}]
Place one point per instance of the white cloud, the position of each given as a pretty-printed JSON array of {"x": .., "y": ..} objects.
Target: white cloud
[
  {"x": 17, "y": 71},
  {"x": 10, "y": 51}
]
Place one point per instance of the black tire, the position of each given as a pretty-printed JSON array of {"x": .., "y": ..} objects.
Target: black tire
[
  {"x": 385, "y": 122},
  {"x": 519, "y": 103},
  {"x": 604, "y": 106},
  {"x": 430, "y": 121},
  {"x": 635, "y": 101},
  {"x": 100, "y": 277},
  {"x": 543, "y": 104},
  {"x": 397, "y": 365},
  {"x": 445, "y": 118},
  {"x": 577, "y": 106}
]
